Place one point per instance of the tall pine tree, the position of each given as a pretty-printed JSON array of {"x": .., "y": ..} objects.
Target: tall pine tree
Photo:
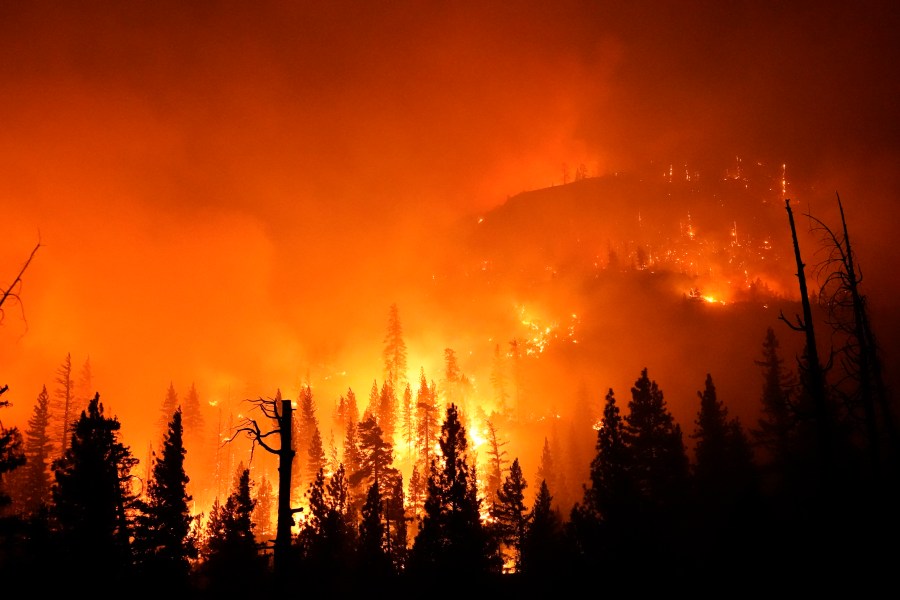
[
  {"x": 92, "y": 498},
  {"x": 164, "y": 546},
  {"x": 452, "y": 537},
  {"x": 36, "y": 480}
]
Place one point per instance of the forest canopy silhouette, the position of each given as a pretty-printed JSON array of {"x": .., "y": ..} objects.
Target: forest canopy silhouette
[{"x": 351, "y": 297}]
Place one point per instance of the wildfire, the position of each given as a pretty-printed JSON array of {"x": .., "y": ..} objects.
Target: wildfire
[{"x": 541, "y": 334}]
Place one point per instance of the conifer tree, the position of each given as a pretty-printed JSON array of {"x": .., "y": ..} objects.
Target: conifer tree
[
  {"x": 193, "y": 416},
  {"x": 547, "y": 469},
  {"x": 452, "y": 538},
  {"x": 408, "y": 421},
  {"x": 427, "y": 423},
  {"x": 264, "y": 506},
  {"x": 450, "y": 383},
  {"x": 724, "y": 481},
  {"x": 773, "y": 433},
  {"x": 12, "y": 455},
  {"x": 315, "y": 453},
  {"x": 84, "y": 387},
  {"x": 36, "y": 475},
  {"x": 305, "y": 424},
  {"x": 328, "y": 537},
  {"x": 92, "y": 498},
  {"x": 387, "y": 411},
  {"x": 231, "y": 562},
  {"x": 397, "y": 523},
  {"x": 544, "y": 553},
  {"x": 417, "y": 493},
  {"x": 394, "y": 353},
  {"x": 351, "y": 454},
  {"x": 63, "y": 406},
  {"x": 510, "y": 514},
  {"x": 660, "y": 463},
  {"x": 601, "y": 524},
  {"x": 659, "y": 469},
  {"x": 373, "y": 557},
  {"x": 496, "y": 464},
  {"x": 347, "y": 411},
  {"x": 164, "y": 546},
  {"x": 612, "y": 490},
  {"x": 169, "y": 405},
  {"x": 376, "y": 458},
  {"x": 722, "y": 454}
]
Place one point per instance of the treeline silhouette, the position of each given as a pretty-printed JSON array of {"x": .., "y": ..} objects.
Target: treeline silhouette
[
  {"x": 752, "y": 506},
  {"x": 804, "y": 499}
]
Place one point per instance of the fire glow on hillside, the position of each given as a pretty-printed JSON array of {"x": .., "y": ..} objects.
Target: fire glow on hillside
[{"x": 230, "y": 200}]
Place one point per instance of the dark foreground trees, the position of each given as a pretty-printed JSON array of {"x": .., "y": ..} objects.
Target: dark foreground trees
[
  {"x": 163, "y": 542},
  {"x": 93, "y": 495},
  {"x": 452, "y": 537}
]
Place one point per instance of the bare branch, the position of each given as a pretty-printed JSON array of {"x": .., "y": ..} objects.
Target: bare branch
[
  {"x": 798, "y": 327},
  {"x": 9, "y": 292}
]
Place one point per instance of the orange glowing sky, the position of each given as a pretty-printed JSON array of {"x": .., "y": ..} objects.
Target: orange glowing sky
[{"x": 233, "y": 193}]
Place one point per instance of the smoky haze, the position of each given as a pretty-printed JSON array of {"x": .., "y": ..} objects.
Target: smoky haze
[{"x": 233, "y": 194}]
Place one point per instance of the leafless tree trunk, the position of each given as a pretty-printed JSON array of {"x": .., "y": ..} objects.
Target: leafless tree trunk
[
  {"x": 848, "y": 315},
  {"x": 280, "y": 412},
  {"x": 815, "y": 373}
]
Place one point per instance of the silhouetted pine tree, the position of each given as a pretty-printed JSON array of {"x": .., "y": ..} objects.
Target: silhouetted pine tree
[
  {"x": 659, "y": 460},
  {"x": 726, "y": 498},
  {"x": 776, "y": 423},
  {"x": 372, "y": 555},
  {"x": 265, "y": 502},
  {"x": 547, "y": 469},
  {"x": 452, "y": 539},
  {"x": 387, "y": 411},
  {"x": 305, "y": 423},
  {"x": 659, "y": 468},
  {"x": 351, "y": 455},
  {"x": 427, "y": 423},
  {"x": 545, "y": 556},
  {"x": 230, "y": 561},
  {"x": 17, "y": 550},
  {"x": 376, "y": 458},
  {"x": 723, "y": 460},
  {"x": 601, "y": 523},
  {"x": 12, "y": 455},
  {"x": 450, "y": 382},
  {"x": 394, "y": 353},
  {"x": 408, "y": 421},
  {"x": 316, "y": 460},
  {"x": 416, "y": 499},
  {"x": 36, "y": 481},
  {"x": 193, "y": 416},
  {"x": 63, "y": 405},
  {"x": 84, "y": 387},
  {"x": 327, "y": 538},
  {"x": 397, "y": 521},
  {"x": 163, "y": 544},
  {"x": 169, "y": 404},
  {"x": 510, "y": 516},
  {"x": 92, "y": 499}
]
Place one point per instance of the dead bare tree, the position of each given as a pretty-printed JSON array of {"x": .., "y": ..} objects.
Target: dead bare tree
[
  {"x": 811, "y": 367},
  {"x": 280, "y": 413},
  {"x": 860, "y": 383}
]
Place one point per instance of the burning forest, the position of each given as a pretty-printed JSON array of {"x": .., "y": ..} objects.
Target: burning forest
[{"x": 345, "y": 299}]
